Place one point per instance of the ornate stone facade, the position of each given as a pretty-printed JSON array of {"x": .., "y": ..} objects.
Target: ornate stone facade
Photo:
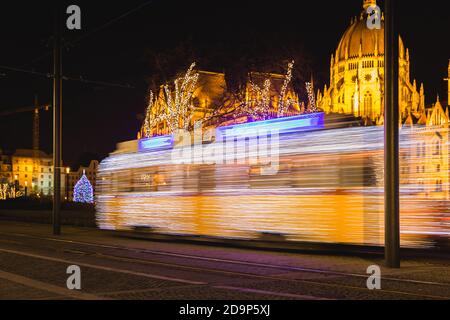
[{"x": 357, "y": 75}]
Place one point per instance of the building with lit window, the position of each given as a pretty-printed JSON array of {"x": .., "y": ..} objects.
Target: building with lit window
[
  {"x": 357, "y": 75},
  {"x": 357, "y": 88},
  {"x": 425, "y": 163},
  {"x": 32, "y": 172},
  {"x": 5, "y": 168},
  {"x": 211, "y": 95}
]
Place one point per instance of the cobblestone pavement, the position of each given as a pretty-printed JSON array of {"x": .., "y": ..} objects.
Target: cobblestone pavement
[{"x": 33, "y": 265}]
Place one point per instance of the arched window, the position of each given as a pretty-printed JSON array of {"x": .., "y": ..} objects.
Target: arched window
[{"x": 368, "y": 104}]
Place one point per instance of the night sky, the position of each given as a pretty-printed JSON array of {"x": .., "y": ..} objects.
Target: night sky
[{"x": 162, "y": 38}]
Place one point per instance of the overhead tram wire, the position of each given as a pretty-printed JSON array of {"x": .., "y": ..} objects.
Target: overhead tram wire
[
  {"x": 67, "y": 78},
  {"x": 109, "y": 23},
  {"x": 87, "y": 35},
  {"x": 72, "y": 44},
  {"x": 100, "y": 83},
  {"x": 20, "y": 70}
]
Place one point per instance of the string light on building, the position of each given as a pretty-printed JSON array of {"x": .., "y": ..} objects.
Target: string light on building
[
  {"x": 258, "y": 107},
  {"x": 9, "y": 192},
  {"x": 173, "y": 106},
  {"x": 178, "y": 107},
  {"x": 150, "y": 117},
  {"x": 283, "y": 106},
  {"x": 3, "y": 191},
  {"x": 83, "y": 191}
]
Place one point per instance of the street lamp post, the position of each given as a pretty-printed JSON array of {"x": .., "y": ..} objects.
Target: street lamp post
[
  {"x": 391, "y": 113},
  {"x": 57, "y": 88},
  {"x": 67, "y": 184}
]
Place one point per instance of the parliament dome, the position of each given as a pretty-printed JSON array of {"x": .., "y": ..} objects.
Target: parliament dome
[
  {"x": 359, "y": 37},
  {"x": 357, "y": 73}
]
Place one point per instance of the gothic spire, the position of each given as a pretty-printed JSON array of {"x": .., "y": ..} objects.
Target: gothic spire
[{"x": 368, "y": 3}]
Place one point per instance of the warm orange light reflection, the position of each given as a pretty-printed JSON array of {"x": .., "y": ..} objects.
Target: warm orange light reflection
[{"x": 329, "y": 188}]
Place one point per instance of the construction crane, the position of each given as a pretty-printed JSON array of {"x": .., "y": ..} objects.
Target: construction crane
[
  {"x": 36, "y": 121},
  {"x": 35, "y": 109}
]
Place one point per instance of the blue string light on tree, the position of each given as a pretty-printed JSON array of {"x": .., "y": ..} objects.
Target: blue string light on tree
[{"x": 83, "y": 191}]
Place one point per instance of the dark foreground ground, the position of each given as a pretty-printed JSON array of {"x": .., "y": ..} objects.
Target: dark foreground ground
[{"x": 33, "y": 265}]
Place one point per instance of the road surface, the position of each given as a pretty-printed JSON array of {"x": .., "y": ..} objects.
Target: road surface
[{"x": 33, "y": 265}]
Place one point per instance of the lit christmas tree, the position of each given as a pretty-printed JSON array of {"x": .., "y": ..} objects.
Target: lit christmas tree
[{"x": 83, "y": 191}]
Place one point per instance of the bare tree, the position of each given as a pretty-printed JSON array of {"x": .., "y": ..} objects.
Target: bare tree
[{"x": 174, "y": 105}]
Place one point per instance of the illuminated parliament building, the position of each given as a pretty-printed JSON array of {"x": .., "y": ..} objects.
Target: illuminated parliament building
[
  {"x": 356, "y": 90},
  {"x": 357, "y": 79}
]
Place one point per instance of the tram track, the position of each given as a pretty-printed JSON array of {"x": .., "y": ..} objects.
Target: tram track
[
  {"x": 279, "y": 278},
  {"x": 227, "y": 261},
  {"x": 221, "y": 270}
]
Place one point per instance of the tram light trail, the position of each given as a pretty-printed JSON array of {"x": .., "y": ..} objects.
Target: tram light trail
[{"x": 328, "y": 189}]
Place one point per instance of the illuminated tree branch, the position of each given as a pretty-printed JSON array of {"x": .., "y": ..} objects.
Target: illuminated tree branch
[{"x": 283, "y": 106}]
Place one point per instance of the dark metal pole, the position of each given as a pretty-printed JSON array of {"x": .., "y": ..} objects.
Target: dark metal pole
[
  {"x": 57, "y": 89},
  {"x": 391, "y": 113}
]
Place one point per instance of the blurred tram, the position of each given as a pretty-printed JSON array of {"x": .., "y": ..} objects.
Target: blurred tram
[{"x": 296, "y": 179}]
